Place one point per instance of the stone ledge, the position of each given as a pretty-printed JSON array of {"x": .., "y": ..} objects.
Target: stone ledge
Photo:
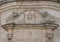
[{"x": 41, "y": 26}]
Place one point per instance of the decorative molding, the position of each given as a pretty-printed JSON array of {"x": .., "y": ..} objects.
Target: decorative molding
[{"x": 37, "y": 5}]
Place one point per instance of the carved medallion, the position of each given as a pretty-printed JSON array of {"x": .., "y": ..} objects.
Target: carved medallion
[{"x": 29, "y": 15}]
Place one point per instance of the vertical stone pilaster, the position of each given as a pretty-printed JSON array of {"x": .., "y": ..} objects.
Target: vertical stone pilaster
[
  {"x": 49, "y": 35},
  {"x": 9, "y": 29},
  {"x": 49, "y": 32},
  {"x": 10, "y": 34}
]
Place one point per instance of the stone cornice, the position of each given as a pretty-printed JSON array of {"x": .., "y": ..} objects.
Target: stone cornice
[{"x": 41, "y": 26}]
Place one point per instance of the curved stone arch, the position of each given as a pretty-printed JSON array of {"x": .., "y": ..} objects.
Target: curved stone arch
[{"x": 41, "y": 4}]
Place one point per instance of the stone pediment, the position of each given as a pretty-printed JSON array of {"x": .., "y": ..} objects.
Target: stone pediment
[{"x": 29, "y": 17}]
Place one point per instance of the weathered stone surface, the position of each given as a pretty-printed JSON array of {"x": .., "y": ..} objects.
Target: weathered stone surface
[{"x": 30, "y": 35}]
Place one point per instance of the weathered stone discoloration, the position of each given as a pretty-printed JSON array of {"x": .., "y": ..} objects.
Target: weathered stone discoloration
[{"x": 27, "y": 25}]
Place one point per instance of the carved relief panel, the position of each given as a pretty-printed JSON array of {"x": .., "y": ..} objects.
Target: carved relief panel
[{"x": 29, "y": 17}]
